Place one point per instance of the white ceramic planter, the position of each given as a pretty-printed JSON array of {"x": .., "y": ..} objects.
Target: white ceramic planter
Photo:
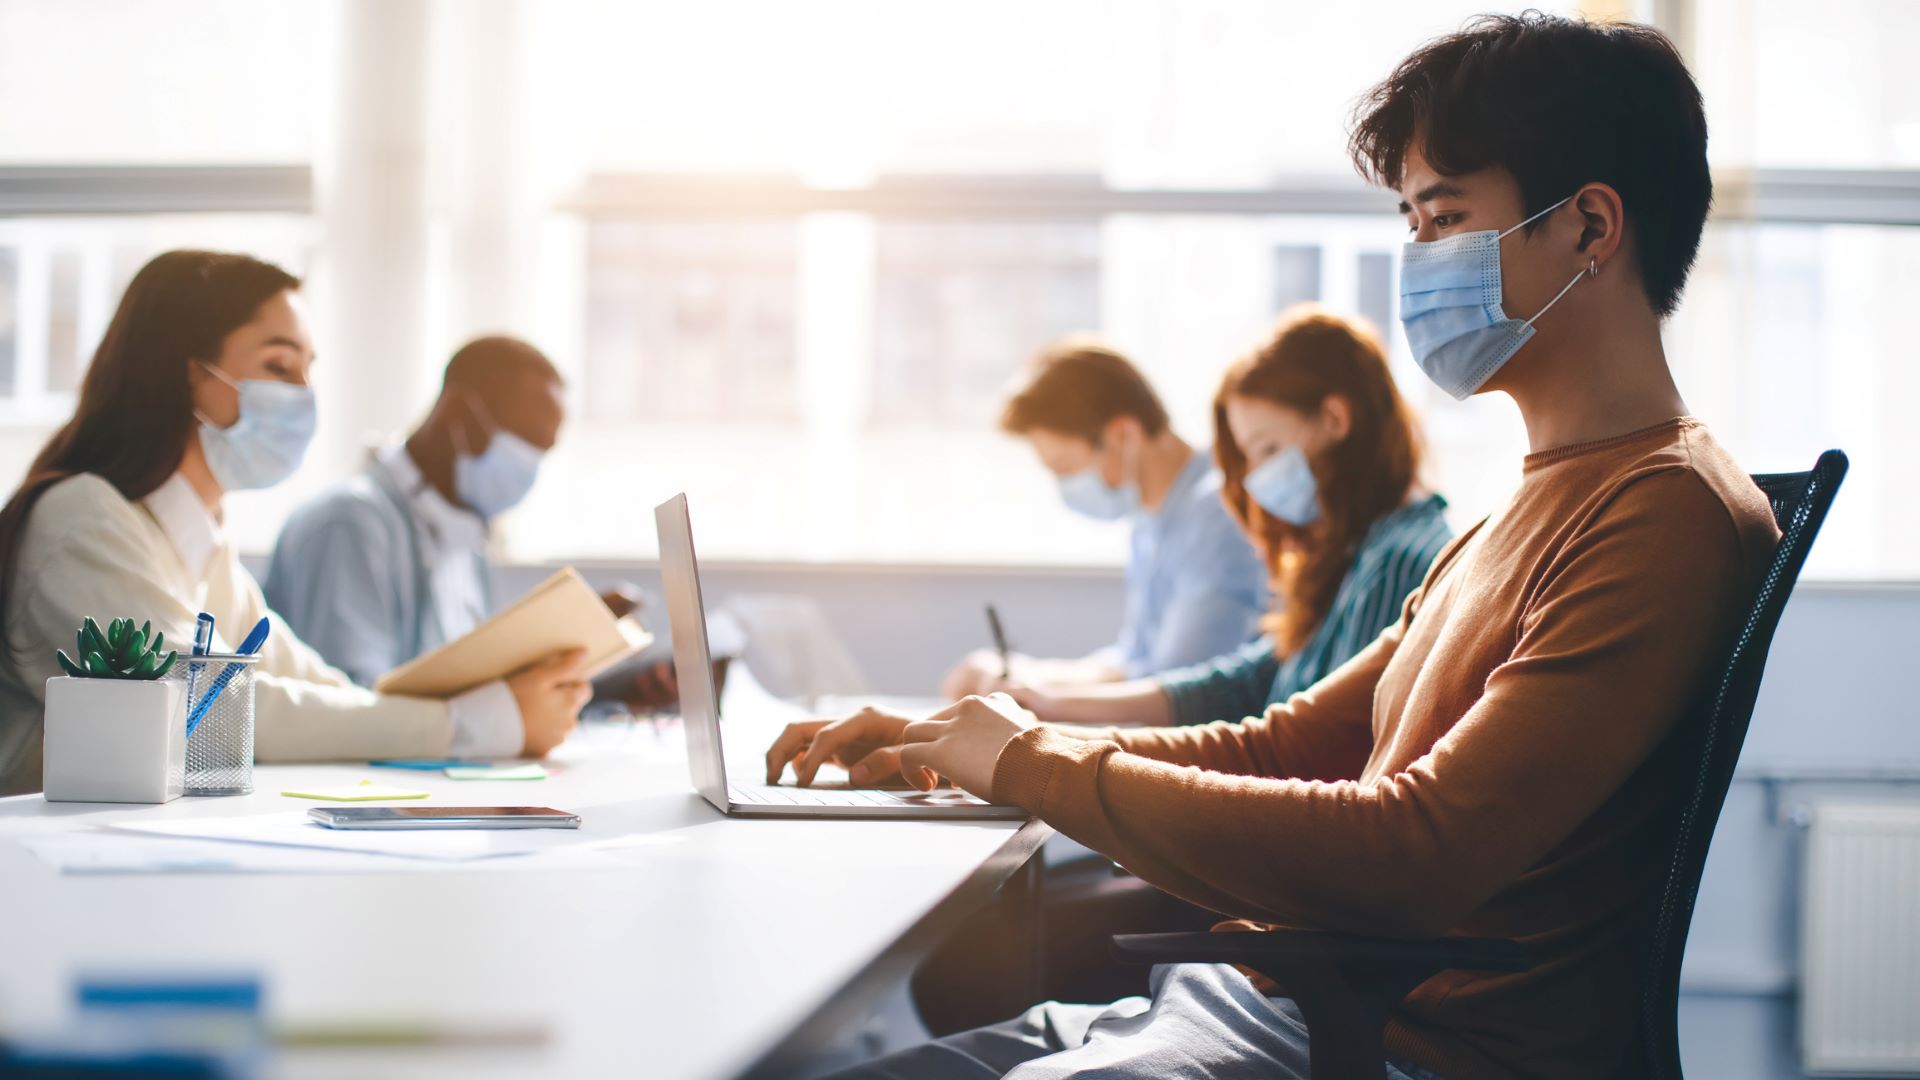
[{"x": 114, "y": 740}]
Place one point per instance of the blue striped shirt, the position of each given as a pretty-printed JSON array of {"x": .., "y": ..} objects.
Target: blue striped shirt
[{"x": 1391, "y": 562}]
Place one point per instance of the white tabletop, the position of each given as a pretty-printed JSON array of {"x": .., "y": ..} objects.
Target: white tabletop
[{"x": 701, "y": 946}]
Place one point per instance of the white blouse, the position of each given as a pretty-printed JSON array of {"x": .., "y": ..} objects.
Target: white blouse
[{"x": 87, "y": 550}]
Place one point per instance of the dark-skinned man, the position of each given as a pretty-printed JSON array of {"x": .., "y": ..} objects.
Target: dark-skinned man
[{"x": 392, "y": 563}]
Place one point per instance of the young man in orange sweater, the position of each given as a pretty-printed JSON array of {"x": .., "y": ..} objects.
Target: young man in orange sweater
[{"x": 1499, "y": 763}]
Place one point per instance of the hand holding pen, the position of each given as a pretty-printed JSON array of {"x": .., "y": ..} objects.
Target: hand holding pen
[
  {"x": 983, "y": 670},
  {"x": 1000, "y": 644}
]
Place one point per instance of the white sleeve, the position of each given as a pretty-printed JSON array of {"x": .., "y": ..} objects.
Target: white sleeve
[
  {"x": 486, "y": 723},
  {"x": 101, "y": 564},
  {"x": 307, "y": 711}
]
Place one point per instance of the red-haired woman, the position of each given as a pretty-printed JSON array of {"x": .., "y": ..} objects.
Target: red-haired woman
[{"x": 1319, "y": 459}]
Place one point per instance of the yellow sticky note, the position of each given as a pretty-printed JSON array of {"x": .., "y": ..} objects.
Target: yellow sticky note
[{"x": 364, "y": 791}]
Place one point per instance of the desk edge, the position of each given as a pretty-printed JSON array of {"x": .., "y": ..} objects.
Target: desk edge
[{"x": 850, "y": 1003}]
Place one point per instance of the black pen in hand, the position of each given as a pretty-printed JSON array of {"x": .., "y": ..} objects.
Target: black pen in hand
[{"x": 1000, "y": 644}]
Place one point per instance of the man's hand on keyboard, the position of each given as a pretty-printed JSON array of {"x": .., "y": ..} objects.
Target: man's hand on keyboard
[
  {"x": 867, "y": 743},
  {"x": 962, "y": 742}
]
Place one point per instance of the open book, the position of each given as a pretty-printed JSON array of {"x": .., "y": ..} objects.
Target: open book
[{"x": 563, "y": 612}]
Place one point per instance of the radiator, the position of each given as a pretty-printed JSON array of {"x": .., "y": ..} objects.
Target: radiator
[{"x": 1860, "y": 940}]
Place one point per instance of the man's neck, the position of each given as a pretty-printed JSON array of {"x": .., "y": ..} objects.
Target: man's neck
[
  {"x": 431, "y": 449},
  {"x": 1593, "y": 382},
  {"x": 1161, "y": 460}
]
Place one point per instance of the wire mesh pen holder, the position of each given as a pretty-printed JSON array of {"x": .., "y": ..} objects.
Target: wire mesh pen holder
[{"x": 220, "y": 745}]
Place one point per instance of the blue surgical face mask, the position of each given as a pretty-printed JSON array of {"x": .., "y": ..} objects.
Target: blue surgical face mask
[
  {"x": 1088, "y": 493},
  {"x": 1450, "y": 306},
  {"x": 1283, "y": 486},
  {"x": 266, "y": 444},
  {"x": 495, "y": 480}
]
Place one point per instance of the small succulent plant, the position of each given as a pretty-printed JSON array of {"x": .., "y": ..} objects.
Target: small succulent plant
[{"x": 124, "y": 651}]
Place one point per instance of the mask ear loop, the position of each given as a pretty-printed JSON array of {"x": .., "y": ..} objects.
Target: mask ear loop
[
  {"x": 1130, "y": 462},
  {"x": 1534, "y": 218},
  {"x": 1592, "y": 271},
  {"x": 223, "y": 377},
  {"x": 479, "y": 409}
]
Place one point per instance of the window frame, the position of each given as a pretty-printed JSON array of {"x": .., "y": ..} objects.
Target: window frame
[
  {"x": 1857, "y": 197},
  {"x": 29, "y": 192}
]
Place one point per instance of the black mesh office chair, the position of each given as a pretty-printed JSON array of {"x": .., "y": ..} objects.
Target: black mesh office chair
[{"x": 1347, "y": 986}]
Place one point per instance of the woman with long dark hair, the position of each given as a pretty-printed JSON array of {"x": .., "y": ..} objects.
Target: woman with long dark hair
[{"x": 200, "y": 387}]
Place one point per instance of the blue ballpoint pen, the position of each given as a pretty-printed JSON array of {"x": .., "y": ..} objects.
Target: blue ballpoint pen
[
  {"x": 256, "y": 638},
  {"x": 202, "y": 645}
]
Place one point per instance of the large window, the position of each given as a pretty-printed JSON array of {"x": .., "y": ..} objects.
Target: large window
[
  {"x": 953, "y": 301},
  {"x": 128, "y": 128},
  {"x": 691, "y": 322},
  {"x": 789, "y": 255},
  {"x": 61, "y": 277},
  {"x": 1155, "y": 173},
  {"x": 1757, "y": 60},
  {"x": 1791, "y": 340},
  {"x": 940, "y": 190}
]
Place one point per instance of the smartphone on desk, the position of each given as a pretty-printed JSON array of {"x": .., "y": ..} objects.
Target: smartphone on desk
[{"x": 443, "y": 817}]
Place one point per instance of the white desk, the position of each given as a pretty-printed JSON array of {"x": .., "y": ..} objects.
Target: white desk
[{"x": 717, "y": 947}]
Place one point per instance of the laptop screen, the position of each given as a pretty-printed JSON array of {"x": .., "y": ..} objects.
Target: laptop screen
[{"x": 692, "y": 661}]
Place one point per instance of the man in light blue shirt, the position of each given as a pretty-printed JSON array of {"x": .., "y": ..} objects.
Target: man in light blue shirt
[
  {"x": 392, "y": 563},
  {"x": 1195, "y": 588}
]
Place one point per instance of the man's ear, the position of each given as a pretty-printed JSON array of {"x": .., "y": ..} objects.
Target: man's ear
[
  {"x": 1603, "y": 222},
  {"x": 1121, "y": 430}
]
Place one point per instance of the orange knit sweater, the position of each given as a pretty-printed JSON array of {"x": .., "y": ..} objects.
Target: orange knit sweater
[{"x": 1495, "y": 765}]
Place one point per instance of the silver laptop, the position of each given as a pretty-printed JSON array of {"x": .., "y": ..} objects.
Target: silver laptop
[{"x": 700, "y": 705}]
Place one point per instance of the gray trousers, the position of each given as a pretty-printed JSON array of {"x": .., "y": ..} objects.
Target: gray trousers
[{"x": 1203, "y": 1020}]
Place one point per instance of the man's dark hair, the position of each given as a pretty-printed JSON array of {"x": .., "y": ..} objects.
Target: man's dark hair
[
  {"x": 1558, "y": 103},
  {"x": 1075, "y": 387},
  {"x": 486, "y": 362}
]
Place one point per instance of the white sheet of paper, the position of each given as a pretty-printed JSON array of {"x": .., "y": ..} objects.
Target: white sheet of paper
[
  {"x": 100, "y": 851},
  {"x": 298, "y": 830},
  {"x": 105, "y": 851}
]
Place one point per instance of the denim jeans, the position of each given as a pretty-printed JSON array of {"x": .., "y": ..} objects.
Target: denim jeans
[{"x": 1202, "y": 1020}]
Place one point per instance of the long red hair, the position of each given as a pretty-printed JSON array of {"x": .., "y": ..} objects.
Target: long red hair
[{"x": 1313, "y": 354}]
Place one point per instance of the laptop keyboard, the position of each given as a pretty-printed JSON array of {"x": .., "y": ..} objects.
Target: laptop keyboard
[{"x": 799, "y": 796}]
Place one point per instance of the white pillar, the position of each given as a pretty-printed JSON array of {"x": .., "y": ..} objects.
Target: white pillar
[
  {"x": 486, "y": 171},
  {"x": 371, "y": 270}
]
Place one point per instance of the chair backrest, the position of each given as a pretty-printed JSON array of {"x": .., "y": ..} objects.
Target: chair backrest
[{"x": 1800, "y": 502}]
